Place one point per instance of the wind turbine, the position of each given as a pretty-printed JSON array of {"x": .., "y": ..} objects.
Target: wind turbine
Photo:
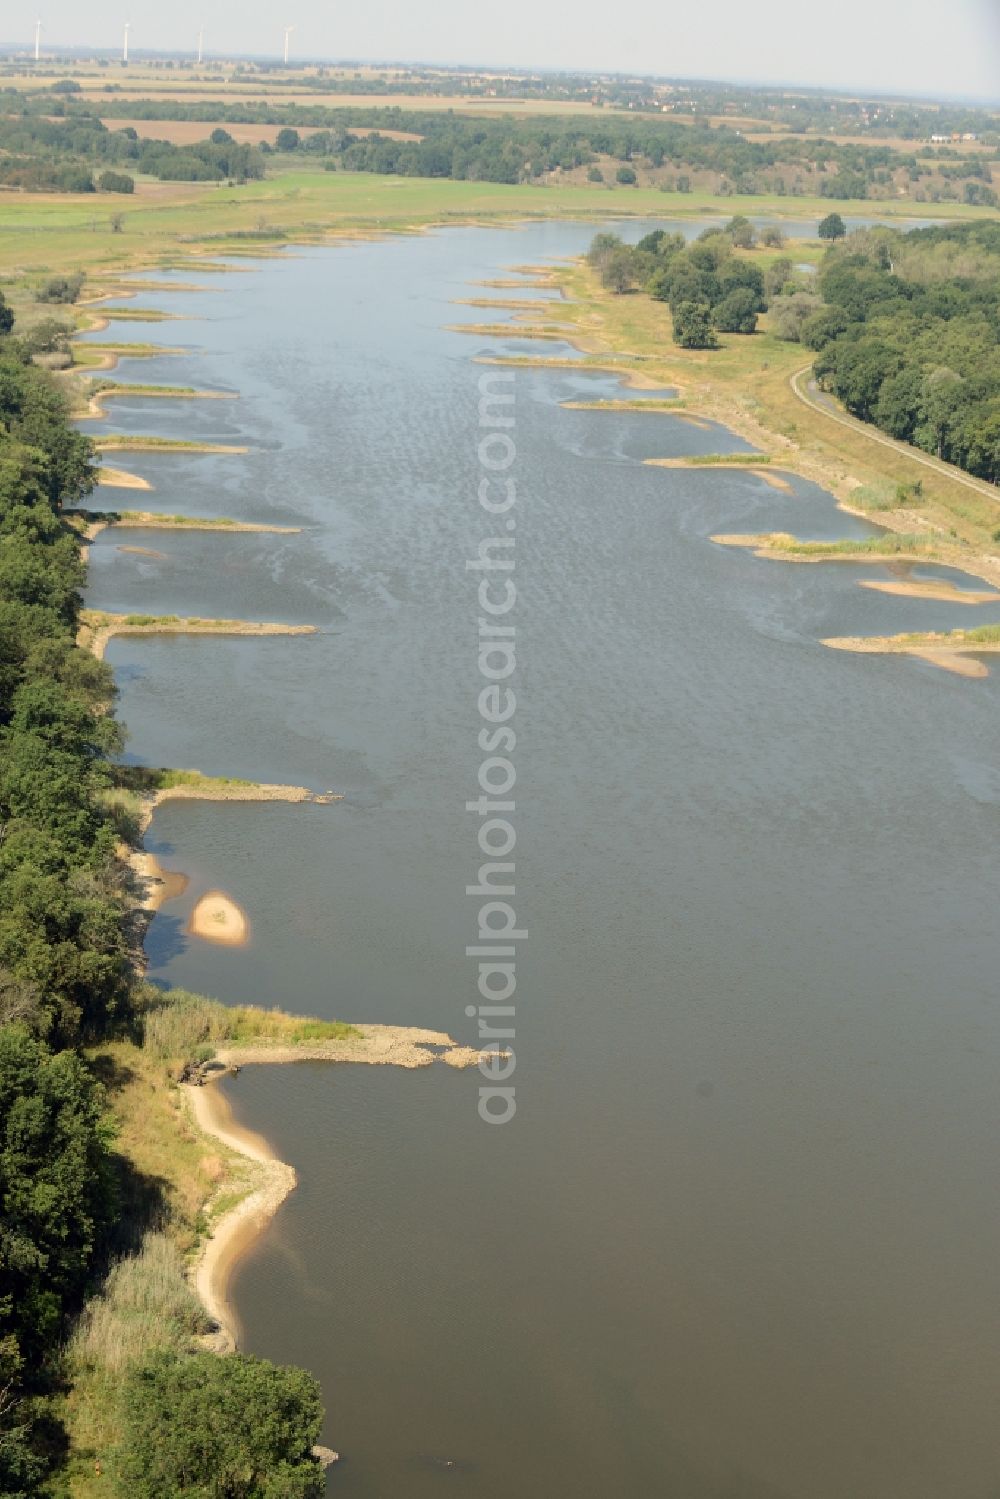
[
  {"x": 38, "y": 40},
  {"x": 125, "y": 43},
  {"x": 201, "y": 38},
  {"x": 288, "y": 32}
]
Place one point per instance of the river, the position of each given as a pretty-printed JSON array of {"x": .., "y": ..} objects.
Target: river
[{"x": 741, "y": 1239}]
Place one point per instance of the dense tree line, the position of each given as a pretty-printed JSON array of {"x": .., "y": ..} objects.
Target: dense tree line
[
  {"x": 66, "y": 978},
  {"x": 62, "y": 155},
  {"x": 908, "y": 337},
  {"x": 506, "y": 149}
]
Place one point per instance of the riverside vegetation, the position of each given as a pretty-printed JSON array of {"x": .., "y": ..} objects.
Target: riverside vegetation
[
  {"x": 620, "y": 300},
  {"x": 905, "y": 326},
  {"x": 103, "y": 1184}
]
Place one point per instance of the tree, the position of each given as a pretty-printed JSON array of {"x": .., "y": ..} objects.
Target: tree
[
  {"x": 899, "y": 403},
  {"x": 594, "y": 174},
  {"x": 287, "y": 140},
  {"x": 219, "y": 1428},
  {"x": 115, "y": 182},
  {"x": 789, "y": 314},
  {"x": 56, "y": 1190},
  {"x": 693, "y": 325},
  {"x": 823, "y": 326},
  {"x": 943, "y": 392},
  {"x": 740, "y": 273},
  {"x": 6, "y": 315},
  {"x": 737, "y": 312},
  {"x": 618, "y": 270},
  {"x": 741, "y": 232},
  {"x": 626, "y": 176},
  {"x": 832, "y": 227},
  {"x": 777, "y": 276},
  {"x": 601, "y": 247}
]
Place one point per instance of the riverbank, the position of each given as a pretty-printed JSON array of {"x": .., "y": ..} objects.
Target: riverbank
[
  {"x": 234, "y": 1233},
  {"x": 751, "y": 386},
  {"x": 187, "y": 225}
]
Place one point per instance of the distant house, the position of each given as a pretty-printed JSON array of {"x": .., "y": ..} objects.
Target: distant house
[{"x": 940, "y": 140}]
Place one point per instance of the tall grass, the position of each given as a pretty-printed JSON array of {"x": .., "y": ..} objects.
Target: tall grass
[
  {"x": 752, "y": 460},
  {"x": 178, "y": 1025},
  {"x": 146, "y": 1306},
  {"x": 145, "y": 780},
  {"x": 193, "y": 521},
  {"x": 867, "y": 546},
  {"x": 146, "y": 1303},
  {"x": 124, "y": 808},
  {"x": 165, "y": 780}
]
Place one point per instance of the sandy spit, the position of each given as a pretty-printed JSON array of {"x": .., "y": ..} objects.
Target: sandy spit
[
  {"x": 915, "y": 588},
  {"x": 121, "y": 443},
  {"x": 149, "y": 520},
  {"x": 97, "y": 402},
  {"x": 774, "y": 477},
  {"x": 120, "y": 478},
  {"x": 962, "y": 666},
  {"x": 97, "y": 639},
  {"x": 951, "y": 653}
]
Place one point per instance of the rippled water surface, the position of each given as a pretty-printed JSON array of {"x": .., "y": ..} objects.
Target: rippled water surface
[{"x": 741, "y": 1239}]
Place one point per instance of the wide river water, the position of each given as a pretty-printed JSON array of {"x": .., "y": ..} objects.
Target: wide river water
[{"x": 741, "y": 1239}]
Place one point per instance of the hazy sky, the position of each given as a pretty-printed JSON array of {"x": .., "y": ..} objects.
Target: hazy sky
[{"x": 923, "y": 46}]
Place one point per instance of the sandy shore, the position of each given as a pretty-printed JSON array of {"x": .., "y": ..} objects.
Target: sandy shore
[
  {"x": 236, "y": 1230},
  {"x": 154, "y": 884},
  {"x": 272, "y": 1179}
]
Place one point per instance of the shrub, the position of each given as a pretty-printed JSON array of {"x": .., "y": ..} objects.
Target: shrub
[
  {"x": 61, "y": 289},
  {"x": 48, "y": 337}
]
